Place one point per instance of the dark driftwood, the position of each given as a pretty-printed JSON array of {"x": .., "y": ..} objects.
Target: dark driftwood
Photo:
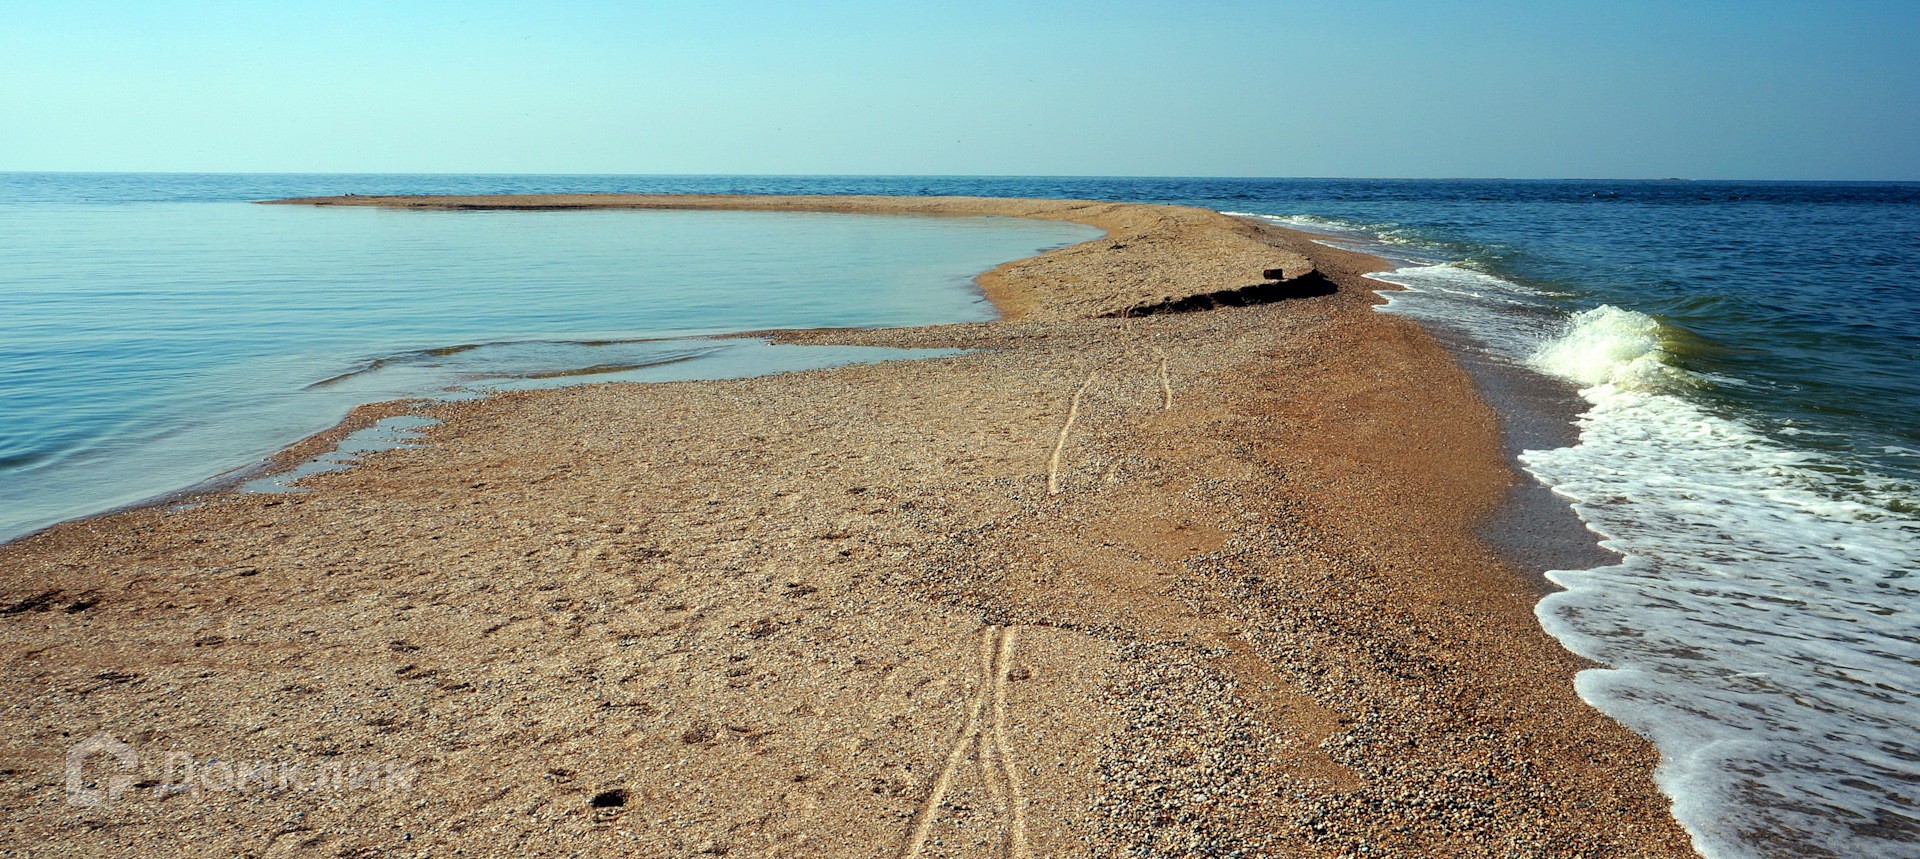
[{"x": 1310, "y": 284}]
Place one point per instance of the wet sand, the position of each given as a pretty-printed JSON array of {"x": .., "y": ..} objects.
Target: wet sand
[{"x": 1194, "y": 583}]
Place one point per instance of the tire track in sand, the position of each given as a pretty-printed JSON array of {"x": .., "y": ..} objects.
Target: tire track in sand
[
  {"x": 1016, "y": 802},
  {"x": 1060, "y": 447},
  {"x": 1006, "y": 786}
]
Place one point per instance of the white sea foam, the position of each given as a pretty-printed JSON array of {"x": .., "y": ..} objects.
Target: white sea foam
[
  {"x": 1610, "y": 346},
  {"x": 1389, "y": 241},
  {"x": 1307, "y": 222},
  {"x": 1505, "y": 317},
  {"x": 1761, "y": 627}
]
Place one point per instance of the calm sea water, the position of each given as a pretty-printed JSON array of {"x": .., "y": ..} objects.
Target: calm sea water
[
  {"x": 158, "y": 331},
  {"x": 1748, "y": 353}
]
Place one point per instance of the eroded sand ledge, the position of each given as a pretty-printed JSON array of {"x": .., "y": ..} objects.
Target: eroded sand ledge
[{"x": 840, "y": 613}]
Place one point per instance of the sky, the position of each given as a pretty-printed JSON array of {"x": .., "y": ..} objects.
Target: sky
[{"x": 1735, "y": 89}]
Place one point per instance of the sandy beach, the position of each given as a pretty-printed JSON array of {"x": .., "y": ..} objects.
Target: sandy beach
[{"x": 1176, "y": 561}]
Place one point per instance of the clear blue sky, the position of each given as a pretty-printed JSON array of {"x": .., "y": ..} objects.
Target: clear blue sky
[{"x": 1769, "y": 89}]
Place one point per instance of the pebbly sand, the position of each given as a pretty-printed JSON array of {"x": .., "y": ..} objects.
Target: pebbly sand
[{"x": 1181, "y": 584}]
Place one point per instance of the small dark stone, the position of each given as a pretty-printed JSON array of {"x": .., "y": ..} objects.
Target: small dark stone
[{"x": 610, "y": 798}]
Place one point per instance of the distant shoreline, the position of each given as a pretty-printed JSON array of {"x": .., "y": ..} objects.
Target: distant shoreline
[
  {"x": 1029, "y": 295},
  {"x": 1131, "y": 572}
]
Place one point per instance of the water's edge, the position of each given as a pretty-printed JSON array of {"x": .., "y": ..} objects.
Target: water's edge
[{"x": 329, "y": 445}]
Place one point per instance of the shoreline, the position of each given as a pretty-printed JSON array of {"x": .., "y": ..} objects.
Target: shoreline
[
  {"x": 1025, "y": 289},
  {"x": 843, "y": 610}
]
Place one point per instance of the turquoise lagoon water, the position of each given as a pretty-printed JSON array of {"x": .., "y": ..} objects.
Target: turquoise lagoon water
[{"x": 147, "y": 346}]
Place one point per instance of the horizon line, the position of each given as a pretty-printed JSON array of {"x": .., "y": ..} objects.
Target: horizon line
[{"x": 937, "y": 176}]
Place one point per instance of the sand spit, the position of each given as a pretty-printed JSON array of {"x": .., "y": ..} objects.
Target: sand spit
[{"x": 1183, "y": 584}]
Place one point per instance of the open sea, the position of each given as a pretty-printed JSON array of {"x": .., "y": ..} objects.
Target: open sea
[{"x": 1741, "y": 362}]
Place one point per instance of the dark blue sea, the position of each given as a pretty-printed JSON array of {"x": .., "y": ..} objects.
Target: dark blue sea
[{"x": 1746, "y": 356}]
